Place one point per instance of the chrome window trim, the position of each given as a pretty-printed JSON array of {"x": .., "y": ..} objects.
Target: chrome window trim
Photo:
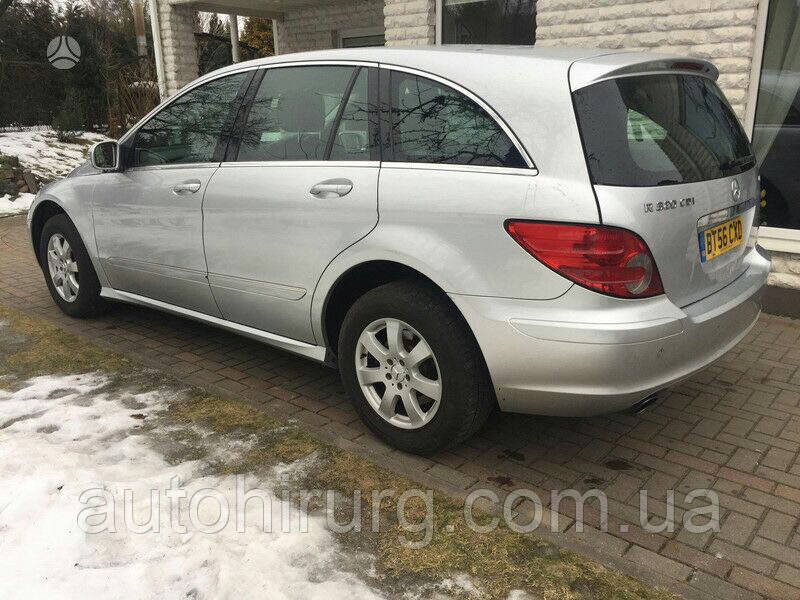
[
  {"x": 477, "y": 100},
  {"x": 197, "y": 165},
  {"x": 303, "y": 163},
  {"x": 531, "y": 172},
  {"x": 212, "y": 77}
]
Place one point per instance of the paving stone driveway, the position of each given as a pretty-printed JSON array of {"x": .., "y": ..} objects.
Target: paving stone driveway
[{"x": 735, "y": 429}]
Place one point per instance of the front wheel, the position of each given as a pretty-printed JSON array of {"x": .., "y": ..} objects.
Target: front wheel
[
  {"x": 413, "y": 369},
  {"x": 68, "y": 270}
]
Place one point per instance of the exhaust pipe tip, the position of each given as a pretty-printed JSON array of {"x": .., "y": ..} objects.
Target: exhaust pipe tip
[{"x": 645, "y": 404}]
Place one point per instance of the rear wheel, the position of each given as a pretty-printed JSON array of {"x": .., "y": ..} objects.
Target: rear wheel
[
  {"x": 412, "y": 368},
  {"x": 68, "y": 270}
]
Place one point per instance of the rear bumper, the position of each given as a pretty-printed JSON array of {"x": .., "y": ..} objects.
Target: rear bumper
[{"x": 584, "y": 353}]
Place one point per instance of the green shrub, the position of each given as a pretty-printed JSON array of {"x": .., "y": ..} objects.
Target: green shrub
[{"x": 70, "y": 121}]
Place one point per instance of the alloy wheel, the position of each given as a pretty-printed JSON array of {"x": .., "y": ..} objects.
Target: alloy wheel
[
  {"x": 63, "y": 267},
  {"x": 398, "y": 373}
]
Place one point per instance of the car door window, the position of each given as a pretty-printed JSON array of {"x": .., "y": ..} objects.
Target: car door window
[
  {"x": 189, "y": 129},
  {"x": 295, "y": 110},
  {"x": 433, "y": 123}
]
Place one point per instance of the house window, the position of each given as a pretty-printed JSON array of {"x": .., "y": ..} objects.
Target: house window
[
  {"x": 361, "y": 38},
  {"x": 488, "y": 21},
  {"x": 776, "y": 132}
]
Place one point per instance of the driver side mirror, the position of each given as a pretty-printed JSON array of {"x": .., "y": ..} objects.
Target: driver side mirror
[{"x": 105, "y": 156}]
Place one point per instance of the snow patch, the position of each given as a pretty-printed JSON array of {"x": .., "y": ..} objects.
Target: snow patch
[
  {"x": 40, "y": 152},
  {"x": 63, "y": 435},
  {"x": 17, "y": 206}
]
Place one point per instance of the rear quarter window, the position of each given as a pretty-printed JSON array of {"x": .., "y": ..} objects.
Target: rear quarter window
[
  {"x": 433, "y": 123},
  {"x": 663, "y": 129}
]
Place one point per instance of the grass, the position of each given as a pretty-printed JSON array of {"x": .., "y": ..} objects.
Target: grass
[{"x": 497, "y": 562}]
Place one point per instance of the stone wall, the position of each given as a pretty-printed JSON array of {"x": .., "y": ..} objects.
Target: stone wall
[
  {"x": 410, "y": 22},
  {"x": 14, "y": 180},
  {"x": 785, "y": 270},
  {"x": 316, "y": 28},
  {"x": 178, "y": 44},
  {"x": 722, "y": 31}
]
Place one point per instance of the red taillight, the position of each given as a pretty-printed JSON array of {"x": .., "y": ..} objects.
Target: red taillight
[{"x": 610, "y": 260}]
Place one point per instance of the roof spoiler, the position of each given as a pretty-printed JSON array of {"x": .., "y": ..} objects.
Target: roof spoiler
[{"x": 588, "y": 71}]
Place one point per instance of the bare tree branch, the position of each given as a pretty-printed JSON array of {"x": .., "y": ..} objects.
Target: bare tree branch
[{"x": 4, "y": 4}]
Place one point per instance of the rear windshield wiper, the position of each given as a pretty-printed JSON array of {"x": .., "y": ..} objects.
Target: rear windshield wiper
[{"x": 742, "y": 161}]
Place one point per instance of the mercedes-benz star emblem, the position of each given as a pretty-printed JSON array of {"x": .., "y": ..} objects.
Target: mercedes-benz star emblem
[{"x": 736, "y": 191}]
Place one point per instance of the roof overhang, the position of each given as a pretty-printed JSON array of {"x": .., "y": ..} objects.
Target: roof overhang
[{"x": 268, "y": 9}]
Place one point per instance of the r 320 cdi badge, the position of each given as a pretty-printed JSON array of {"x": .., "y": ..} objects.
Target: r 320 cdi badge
[{"x": 559, "y": 232}]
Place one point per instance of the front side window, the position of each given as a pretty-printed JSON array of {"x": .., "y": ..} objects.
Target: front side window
[
  {"x": 433, "y": 123},
  {"x": 653, "y": 130},
  {"x": 188, "y": 130},
  {"x": 488, "y": 22},
  {"x": 295, "y": 110}
]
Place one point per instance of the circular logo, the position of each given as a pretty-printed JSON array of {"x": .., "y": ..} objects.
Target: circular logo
[
  {"x": 63, "y": 52},
  {"x": 736, "y": 191}
]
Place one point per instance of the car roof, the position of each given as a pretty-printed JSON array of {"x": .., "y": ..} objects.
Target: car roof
[
  {"x": 453, "y": 61},
  {"x": 411, "y": 56}
]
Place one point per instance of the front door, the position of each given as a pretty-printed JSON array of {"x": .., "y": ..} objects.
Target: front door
[
  {"x": 301, "y": 188},
  {"x": 148, "y": 218}
]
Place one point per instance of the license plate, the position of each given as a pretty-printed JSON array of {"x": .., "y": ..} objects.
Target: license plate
[{"x": 720, "y": 238}]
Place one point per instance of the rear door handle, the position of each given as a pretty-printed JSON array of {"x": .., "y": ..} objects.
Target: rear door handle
[
  {"x": 332, "y": 188},
  {"x": 187, "y": 187}
]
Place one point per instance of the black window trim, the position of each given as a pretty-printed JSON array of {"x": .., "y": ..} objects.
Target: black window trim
[
  {"x": 348, "y": 89},
  {"x": 232, "y": 150},
  {"x": 227, "y": 134},
  {"x": 387, "y": 146}
]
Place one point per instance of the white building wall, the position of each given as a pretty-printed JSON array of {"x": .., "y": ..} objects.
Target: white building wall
[
  {"x": 410, "y": 22},
  {"x": 178, "y": 45},
  {"x": 317, "y": 28},
  {"x": 785, "y": 270},
  {"x": 722, "y": 31}
]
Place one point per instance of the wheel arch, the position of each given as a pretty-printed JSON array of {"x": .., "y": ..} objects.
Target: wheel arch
[
  {"x": 357, "y": 280},
  {"x": 44, "y": 211},
  {"x": 77, "y": 210}
]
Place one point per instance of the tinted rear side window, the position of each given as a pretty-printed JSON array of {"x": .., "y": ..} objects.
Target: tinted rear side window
[
  {"x": 433, "y": 123},
  {"x": 293, "y": 113},
  {"x": 655, "y": 130}
]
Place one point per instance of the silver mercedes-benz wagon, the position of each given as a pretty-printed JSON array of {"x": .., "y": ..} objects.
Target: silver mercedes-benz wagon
[{"x": 558, "y": 232}]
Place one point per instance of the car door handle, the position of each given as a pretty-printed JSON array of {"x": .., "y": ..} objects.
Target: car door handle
[
  {"x": 332, "y": 188},
  {"x": 187, "y": 187}
]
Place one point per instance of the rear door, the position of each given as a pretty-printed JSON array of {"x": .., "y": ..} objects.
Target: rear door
[
  {"x": 670, "y": 161},
  {"x": 298, "y": 186}
]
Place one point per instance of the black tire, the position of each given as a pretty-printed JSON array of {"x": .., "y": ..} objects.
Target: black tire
[
  {"x": 88, "y": 302},
  {"x": 467, "y": 396}
]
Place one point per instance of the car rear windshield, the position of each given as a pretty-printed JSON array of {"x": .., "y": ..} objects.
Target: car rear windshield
[{"x": 650, "y": 130}]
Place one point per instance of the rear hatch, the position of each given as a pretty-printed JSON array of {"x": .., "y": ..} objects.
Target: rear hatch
[{"x": 669, "y": 161}]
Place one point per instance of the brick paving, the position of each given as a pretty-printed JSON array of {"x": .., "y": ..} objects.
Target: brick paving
[{"x": 734, "y": 429}]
